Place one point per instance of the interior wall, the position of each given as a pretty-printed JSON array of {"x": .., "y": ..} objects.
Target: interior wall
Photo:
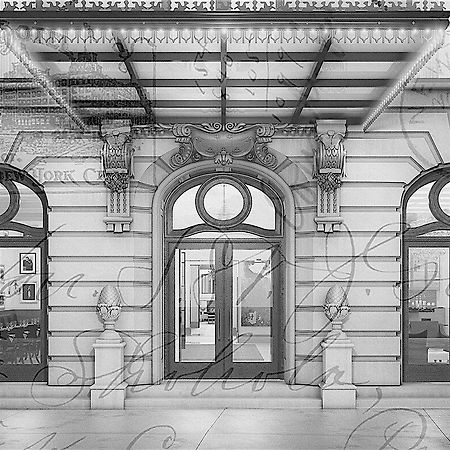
[{"x": 10, "y": 259}]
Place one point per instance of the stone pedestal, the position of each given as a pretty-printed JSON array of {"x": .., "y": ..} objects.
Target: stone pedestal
[
  {"x": 337, "y": 388},
  {"x": 109, "y": 389}
]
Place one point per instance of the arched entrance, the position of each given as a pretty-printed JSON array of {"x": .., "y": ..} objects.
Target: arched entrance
[
  {"x": 223, "y": 259},
  {"x": 23, "y": 276},
  {"x": 215, "y": 242},
  {"x": 426, "y": 270}
]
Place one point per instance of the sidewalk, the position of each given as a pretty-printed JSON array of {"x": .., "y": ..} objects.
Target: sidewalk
[{"x": 399, "y": 428}]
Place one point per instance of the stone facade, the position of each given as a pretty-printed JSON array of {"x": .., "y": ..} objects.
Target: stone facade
[{"x": 364, "y": 257}]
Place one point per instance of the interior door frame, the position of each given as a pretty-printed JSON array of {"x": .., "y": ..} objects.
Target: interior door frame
[{"x": 223, "y": 367}]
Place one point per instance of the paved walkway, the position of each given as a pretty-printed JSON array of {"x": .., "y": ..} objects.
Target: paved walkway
[{"x": 396, "y": 428}]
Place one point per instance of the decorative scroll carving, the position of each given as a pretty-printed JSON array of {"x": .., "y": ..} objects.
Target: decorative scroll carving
[
  {"x": 329, "y": 168},
  {"x": 223, "y": 5},
  {"x": 223, "y": 144},
  {"x": 117, "y": 155}
]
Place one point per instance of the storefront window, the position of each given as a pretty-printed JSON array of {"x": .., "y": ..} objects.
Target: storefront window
[
  {"x": 23, "y": 259},
  {"x": 428, "y": 305},
  {"x": 427, "y": 274}
]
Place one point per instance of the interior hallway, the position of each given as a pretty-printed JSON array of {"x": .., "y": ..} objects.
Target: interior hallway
[{"x": 367, "y": 429}]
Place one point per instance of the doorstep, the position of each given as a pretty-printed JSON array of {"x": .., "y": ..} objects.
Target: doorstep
[{"x": 223, "y": 394}]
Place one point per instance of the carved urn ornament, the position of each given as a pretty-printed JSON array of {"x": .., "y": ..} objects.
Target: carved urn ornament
[
  {"x": 109, "y": 306},
  {"x": 336, "y": 307}
]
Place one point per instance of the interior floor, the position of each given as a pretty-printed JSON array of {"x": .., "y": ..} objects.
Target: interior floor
[{"x": 245, "y": 348}]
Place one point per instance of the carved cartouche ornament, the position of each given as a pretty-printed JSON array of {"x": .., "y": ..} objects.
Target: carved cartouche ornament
[
  {"x": 109, "y": 306},
  {"x": 223, "y": 144},
  {"x": 336, "y": 304}
]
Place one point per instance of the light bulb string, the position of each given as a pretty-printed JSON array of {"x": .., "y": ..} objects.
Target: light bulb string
[
  {"x": 404, "y": 80},
  {"x": 39, "y": 76}
]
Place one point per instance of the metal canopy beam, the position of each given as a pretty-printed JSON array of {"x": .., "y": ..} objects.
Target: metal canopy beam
[
  {"x": 302, "y": 101},
  {"x": 188, "y": 104},
  {"x": 193, "y": 83},
  {"x": 278, "y": 57},
  {"x": 140, "y": 120},
  {"x": 223, "y": 81},
  {"x": 134, "y": 79},
  {"x": 219, "y": 19}
]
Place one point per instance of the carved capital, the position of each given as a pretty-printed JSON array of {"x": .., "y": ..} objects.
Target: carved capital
[
  {"x": 117, "y": 161},
  {"x": 329, "y": 157},
  {"x": 329, "y": 169},
  {"x": 223, "y": 144},
  {"x": 116, "y": 156}
]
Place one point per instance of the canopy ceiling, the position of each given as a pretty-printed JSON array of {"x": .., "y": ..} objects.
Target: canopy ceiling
[{"x": 206, "y": 73}]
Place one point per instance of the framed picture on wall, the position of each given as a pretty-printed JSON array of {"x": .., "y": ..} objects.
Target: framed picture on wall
[
  {"x": 29, "y": 292},
  {"x": 27, "y": 263}
]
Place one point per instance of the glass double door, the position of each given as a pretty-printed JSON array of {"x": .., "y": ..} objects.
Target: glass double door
[{"x": 222, "y": 310}]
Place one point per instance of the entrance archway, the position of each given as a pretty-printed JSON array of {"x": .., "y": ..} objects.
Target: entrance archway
[
  {"x": 223, "y": 259},
  {"x": 23, "y": 276},
  {"x": 161, "y": 273}
]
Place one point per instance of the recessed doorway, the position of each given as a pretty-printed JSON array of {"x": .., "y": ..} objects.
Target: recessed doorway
[
  {"x": 222, "y": 312},
  {"x": 224, "y": 261}
]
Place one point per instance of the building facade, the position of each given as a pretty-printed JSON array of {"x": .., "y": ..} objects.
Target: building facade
[{"x": 284, "y": 218}]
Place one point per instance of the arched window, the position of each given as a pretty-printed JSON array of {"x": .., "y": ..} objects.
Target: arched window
[
  {"x": 426, "y": 306},
  {"x": 23, "y": 276}
]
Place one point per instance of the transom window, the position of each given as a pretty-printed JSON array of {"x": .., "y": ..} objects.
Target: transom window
[
  {"x": 224, "y": 202},
  {"x": 428, "y": 205}
]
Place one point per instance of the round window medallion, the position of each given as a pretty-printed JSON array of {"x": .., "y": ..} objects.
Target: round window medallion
[{"x": 223, "y": 202}]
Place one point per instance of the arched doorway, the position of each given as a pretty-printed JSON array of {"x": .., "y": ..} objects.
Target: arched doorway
[
  {"x": 223, "y": 259},
  {"x": 23, "y": 276},
  {"x": 426, "y": 270}
]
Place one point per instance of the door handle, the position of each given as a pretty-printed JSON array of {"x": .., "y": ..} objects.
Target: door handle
[
  {"x": 230, "y": 331},
  {"x": 218, "y": 325}
]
